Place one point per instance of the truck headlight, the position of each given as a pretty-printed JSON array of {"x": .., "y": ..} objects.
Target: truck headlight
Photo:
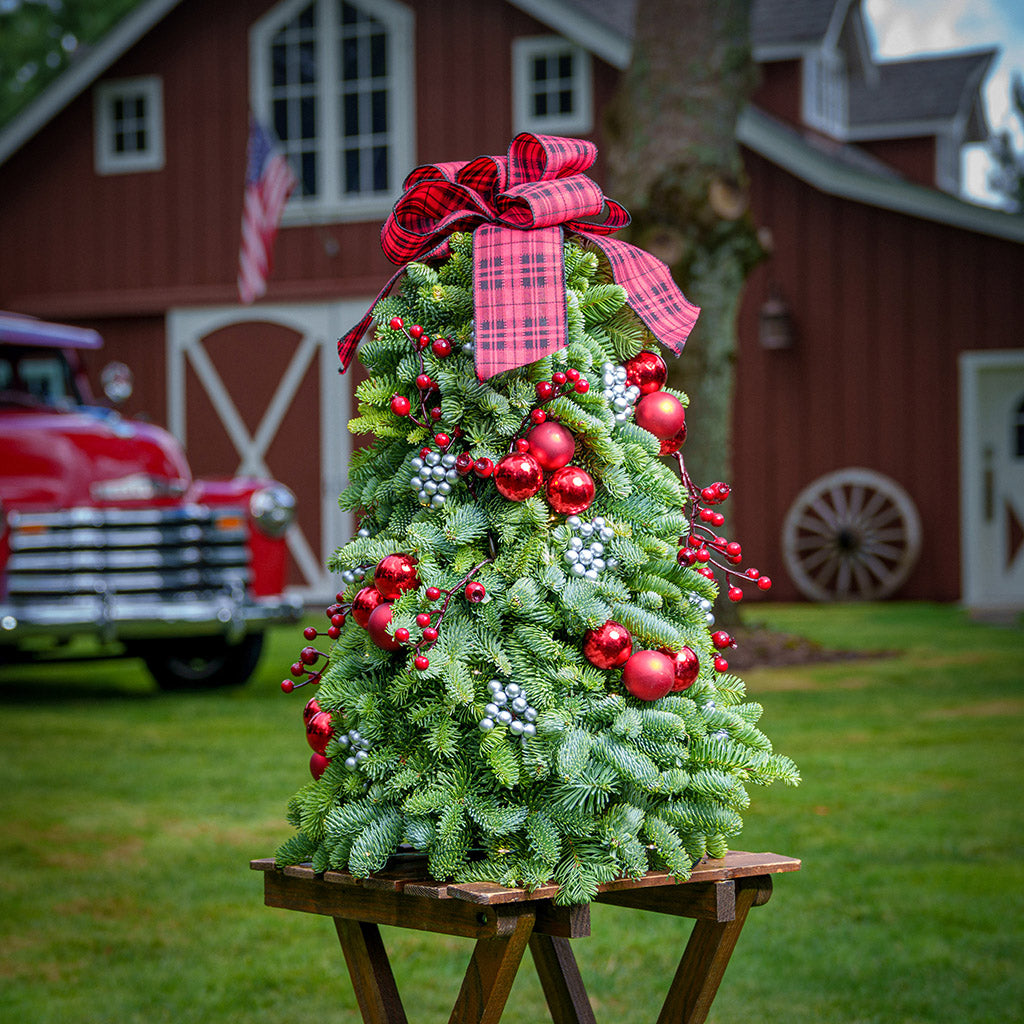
[{"x": 272, "y": 509}]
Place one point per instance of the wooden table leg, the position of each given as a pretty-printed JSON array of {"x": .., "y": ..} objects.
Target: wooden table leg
[
  {"x": 370, "y": 970},
  {"x": 560, "y": 978},
  {"x": 490, "y": 974},
  {"x": 707, "y": 955}
]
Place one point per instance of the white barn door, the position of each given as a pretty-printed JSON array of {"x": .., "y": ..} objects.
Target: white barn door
[
  {"x": 992, "y": 479},
  {"x": 256, "y": 391}
]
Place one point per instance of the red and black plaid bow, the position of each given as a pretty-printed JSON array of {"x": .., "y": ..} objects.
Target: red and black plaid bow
[{"x": 516, "y": 207}]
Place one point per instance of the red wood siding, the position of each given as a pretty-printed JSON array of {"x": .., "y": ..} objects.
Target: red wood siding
[
  {"x": 779, "y": 90},
  {"x": 913, "y": 158},
  {"x": 872, "y": 378}
]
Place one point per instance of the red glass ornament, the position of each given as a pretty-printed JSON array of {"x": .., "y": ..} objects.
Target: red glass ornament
[
  {"x": 319, "y": 731},
  {"x": 312, "y": 708},
  {"x": 608, "y": 646},
  {"x": 518, "y": 476},
  {"x": 686, "y": 666},
  {"x": 395, "y": 575},
  {"x": 400, "y": 405},
  {"x": 318, "y": 765},
  {"x": 670, "y": 445},
  {"x": 363, "y": 604},
  {"x": 649, "y": 675},
  {"x": 662, "y": 414},
  {"x": 551, "y": 445},
  {"x": 570, "y": 490},
  {"x": 377, "y": 627},
  {"x": 475, "y": 592},
  {"x": 647, "y": 371}
]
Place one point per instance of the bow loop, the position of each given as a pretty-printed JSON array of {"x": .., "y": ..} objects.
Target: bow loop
[{"x": 517, "y": 206}]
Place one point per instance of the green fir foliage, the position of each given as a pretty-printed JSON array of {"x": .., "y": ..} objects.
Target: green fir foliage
[{"x": 603, "y": 784}]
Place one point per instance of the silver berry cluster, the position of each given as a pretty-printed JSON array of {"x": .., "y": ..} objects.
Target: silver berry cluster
[
  {"x": 433, "y": 477},
  {"x": 357, "y": 746},
  {"x": 585, "y": 554},
  {"x": 704, "y": 605},
  {"x": 509, "y": 707},
  {"x": 619, "y": 395},
  {"x": 356, "y": 575}
]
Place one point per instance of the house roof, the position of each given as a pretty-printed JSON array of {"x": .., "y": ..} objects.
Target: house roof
[
  {"x": 793, "y": 24},
  {"x": 926, "y": 89},
  {"x": 844, "y": 171}
]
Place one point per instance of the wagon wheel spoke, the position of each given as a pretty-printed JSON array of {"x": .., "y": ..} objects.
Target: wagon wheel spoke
[{"x": 852, "y": 534}]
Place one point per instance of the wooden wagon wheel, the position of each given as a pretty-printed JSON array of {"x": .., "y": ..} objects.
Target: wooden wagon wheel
[{"x": 851, "y": 535}]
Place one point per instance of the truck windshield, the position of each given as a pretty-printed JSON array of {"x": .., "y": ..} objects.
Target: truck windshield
[{"x": 35, "y": 377}]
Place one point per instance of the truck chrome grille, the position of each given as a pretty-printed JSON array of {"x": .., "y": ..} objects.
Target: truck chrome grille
[{"x": 179, "y": 553}]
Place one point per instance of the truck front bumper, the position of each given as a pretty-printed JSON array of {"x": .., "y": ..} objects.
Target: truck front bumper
[{"x": 115, "y": 617}]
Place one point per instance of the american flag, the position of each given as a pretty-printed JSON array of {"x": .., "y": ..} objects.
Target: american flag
[{"x": 268, "y": 183}]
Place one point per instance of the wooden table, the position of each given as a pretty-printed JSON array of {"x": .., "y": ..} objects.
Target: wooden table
[{"x": 505, "y": 921}]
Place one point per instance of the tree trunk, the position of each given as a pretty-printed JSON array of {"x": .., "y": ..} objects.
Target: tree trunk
[{"x": 675, "y": 164}]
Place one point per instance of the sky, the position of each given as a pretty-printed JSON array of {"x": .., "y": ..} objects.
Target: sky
[{"x": 904, "y": 28}]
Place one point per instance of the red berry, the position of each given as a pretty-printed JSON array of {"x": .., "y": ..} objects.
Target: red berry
[
  {"x": 475, "y": 592},
  {"x": 721, "y": 639},
  {"x": 339, "y": 598},
  {"x": 401, "y": 634},
  {"x": 558, "y": 377},
  {"x": 442, "y": 440},
  {"x": 572, "y": 374},
  {"x": 308, "y": 655},
  {"x": 442, "y": 348},
  {"x": 310, "y": 633},
  {"x": 423, "y": 382},
  {"x": 400, "y": 405},
  {"x": 686, "y": 556},
  {"x": 694, "y": 541},
  {"x": 297, "y": 669},
  {"x": 538, "y": 415},
  {"x": 433, "y": 593},
  {"x": 703, "y": 555},
  {"x": 424, "y": 341},
  {"x": 483, "y": 467},
  {"x": 706, "y": 571},
  {"x": 722, "y": 490},
  {"x": 423, "y": 619},
  {"x": 424, "y": 452},
  {"x": 333, "y": 632},
  {"x": 764, "y": 583},
  {"x": 435, "y": 413},
  {"x": 463, "y": 464},
  {"x": 522, "y": 445},
  {"x": 734, "y": 559},
  {"x": 421, "y": 663},
  {"x": 735, "y": 594},
  {"x": 430, "y": 634},
  {"x": 338, "y": 620},
  {"x": 710, "y": 495},
  {"x": 545, "y": 389},
  {"x": 706, "y": 514},
  {"x": 753, "y": 573},
  {"x": 287, "y": 685},
  {"x": 416, "y": 331},
  {"x": 717, "y": 519},
  {"x": 397, "y": 323},
  {"x": 582, "y": 387},
  {"x": 721, "y": 665}
]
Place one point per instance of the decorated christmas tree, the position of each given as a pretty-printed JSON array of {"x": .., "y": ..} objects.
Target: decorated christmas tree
[{"x": 521, "y": 678}]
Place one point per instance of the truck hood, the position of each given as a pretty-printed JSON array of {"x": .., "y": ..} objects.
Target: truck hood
[{"x": 53, "y": 459}]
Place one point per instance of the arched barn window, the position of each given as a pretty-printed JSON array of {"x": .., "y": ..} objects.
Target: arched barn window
[{"x": 333, "y": 79}]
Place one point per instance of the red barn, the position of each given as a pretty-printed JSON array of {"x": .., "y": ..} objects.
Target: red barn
[{"x": 122, "y": 188}]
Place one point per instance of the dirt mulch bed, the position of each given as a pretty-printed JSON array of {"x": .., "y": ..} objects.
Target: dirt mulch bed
[{"x": 757, "y": 647}]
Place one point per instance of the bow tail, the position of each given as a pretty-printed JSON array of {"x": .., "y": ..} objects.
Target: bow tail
[
  {"x": 519, "y": 297},
  {"x": 653, "y": 294}
]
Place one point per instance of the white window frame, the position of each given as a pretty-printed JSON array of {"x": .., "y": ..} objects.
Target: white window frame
[
  {"x": 825, "y": 97},
  {"x": 525, "y": 51},
  {"x": 333, "y": 205},
  {"x": 106, "y": 158}
]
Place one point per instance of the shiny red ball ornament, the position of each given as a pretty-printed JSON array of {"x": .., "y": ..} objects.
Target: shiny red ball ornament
[
  {"x": 570, "y": 490},
  {"x": 377, "y": 627},
  {"x": 551, "y": 445},
  {"x": 647, "y": 371},
  {"x": 363, "y": 604},
  {"x": 312, "y": 708},
  {"x": 318, "y": 765},
  {"x": 319, "y": 731},
  {"x": 660, "y": 413},
  {"x": 608, "y": 646},
  {"x": 686, "y": 665},
  {"x": 649, "y": 675},
  {"x": 395, "y": 575},
  {"x": 475, "y": 592},
  {"x": 518, "y": 476},
  {"x": 670, "y": 445}
]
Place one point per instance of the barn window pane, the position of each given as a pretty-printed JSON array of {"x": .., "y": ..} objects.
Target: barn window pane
[
  {"x": 378, "y": 56},
  {"x": 379, "y": 110},
  {"x": 352, "y": 177},
  {"x": 1018, "y": 432},
  {"x": 351, "y": 115},
  {"x": 307, "y": 108},
  {"x": 308, "y": 166},
  {"x": 380, "y": 168},
  {"x": 350, "y": 59}
]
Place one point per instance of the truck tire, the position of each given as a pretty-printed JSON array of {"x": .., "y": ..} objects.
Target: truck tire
[{"x": 202, "y": 663}]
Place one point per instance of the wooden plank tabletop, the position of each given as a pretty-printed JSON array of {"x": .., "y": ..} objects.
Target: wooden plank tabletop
[{"x": 407, "y": 874}]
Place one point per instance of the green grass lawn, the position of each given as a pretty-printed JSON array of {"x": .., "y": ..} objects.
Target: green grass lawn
[{"x": 128, "y": 818}]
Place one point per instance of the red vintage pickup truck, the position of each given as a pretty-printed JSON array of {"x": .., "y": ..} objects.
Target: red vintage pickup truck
[{"x": 105, "y": 533}]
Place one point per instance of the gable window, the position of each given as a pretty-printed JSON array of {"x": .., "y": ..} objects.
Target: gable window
[
  {"x": 551, "y": 86},
  {"x": 129, "y": 126},
  {"x": 334, "y": 78}
]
